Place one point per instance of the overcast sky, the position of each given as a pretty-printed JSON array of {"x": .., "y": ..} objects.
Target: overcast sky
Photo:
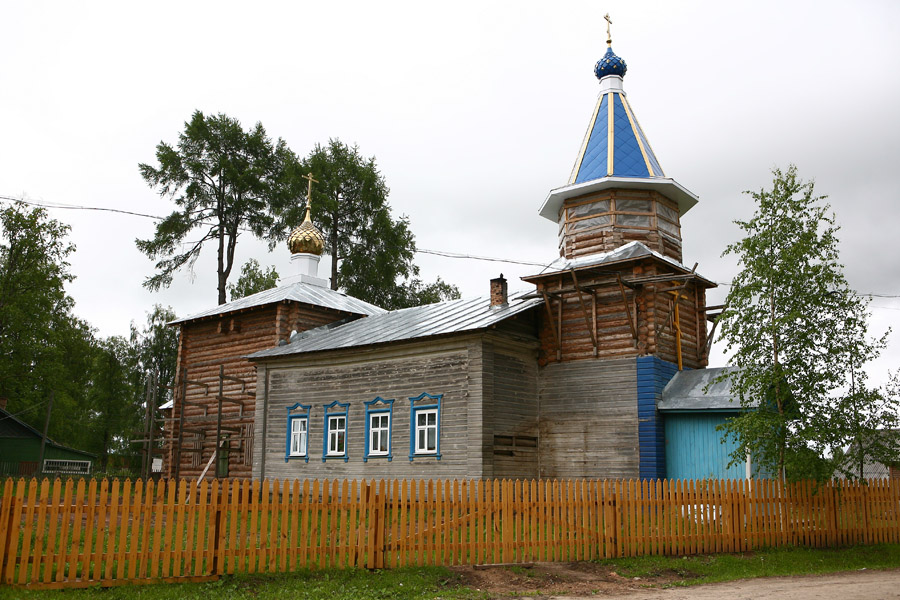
[{"x": 474, "y": 111}]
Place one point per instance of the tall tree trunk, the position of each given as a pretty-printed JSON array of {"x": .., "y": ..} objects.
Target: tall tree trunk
[
  {"x": 221, "y": 265},
  {"x": 334, "y": 256}
]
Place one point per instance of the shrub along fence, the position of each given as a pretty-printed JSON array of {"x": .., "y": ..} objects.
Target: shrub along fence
[{"x": 88, "y": 532}]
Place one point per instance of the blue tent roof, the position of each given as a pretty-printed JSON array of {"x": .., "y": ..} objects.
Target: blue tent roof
[{"x": 615, "y": 144}]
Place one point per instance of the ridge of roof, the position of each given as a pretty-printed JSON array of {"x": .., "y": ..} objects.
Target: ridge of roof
[
  {"x": 453, "y": 316},
  {"x": 5, "y": 414},
  {"x": 297, "y": 291}
]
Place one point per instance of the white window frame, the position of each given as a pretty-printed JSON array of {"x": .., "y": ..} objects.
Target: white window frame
[
  {"x": 299, "y": 436},
  {"x": 424, "y": 429},
  {"x": 336, "y": 433},
  {"x": 376, "y": 434}
]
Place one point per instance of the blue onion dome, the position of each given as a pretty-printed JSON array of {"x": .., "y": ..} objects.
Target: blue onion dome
[{"x": 610, "y": 64}]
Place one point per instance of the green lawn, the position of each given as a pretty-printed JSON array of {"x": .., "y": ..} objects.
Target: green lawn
[{"x": 437, "y": 582}]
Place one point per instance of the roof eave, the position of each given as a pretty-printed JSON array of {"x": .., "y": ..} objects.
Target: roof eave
[{"x": 668, "y": 187}]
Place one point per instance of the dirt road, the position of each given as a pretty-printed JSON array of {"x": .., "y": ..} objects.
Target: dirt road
[
  {"x": 583, "y": 580},
  {"x": 857, "y": 585}
]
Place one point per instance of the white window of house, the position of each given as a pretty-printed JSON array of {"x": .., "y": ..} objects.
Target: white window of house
[
  {"x": 299, "y": 438},
  {"x": 379, "y": 434},
  {"x": 337, "y": 436},
  {"x": 426, "y": 431}
]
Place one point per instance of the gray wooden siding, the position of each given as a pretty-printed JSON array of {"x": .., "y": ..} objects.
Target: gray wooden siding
[
  {"x": 589, "y": 420},
  {"x": 395, "y": 372},
  {"x": 515, "y": 413}
]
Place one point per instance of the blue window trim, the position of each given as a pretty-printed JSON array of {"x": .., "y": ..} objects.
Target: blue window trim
[
  {"x": 434, "y": 403},
  {"x": 387, "y": 407},
  {"x": 302, "y": 413},
  {"x": 336, "y": 413}
]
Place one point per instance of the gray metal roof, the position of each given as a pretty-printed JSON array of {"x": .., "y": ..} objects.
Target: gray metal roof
[
  {"x": 441, "y": 318},
  {"x": 686, "y": 391},
  {"x": 630, "y": 251},
  {"x": 299, "y": 292}
]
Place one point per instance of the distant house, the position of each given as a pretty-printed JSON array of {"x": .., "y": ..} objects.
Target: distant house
[
  {"x": 20, "y": 451},
  {"x": 872, "y": 468}
]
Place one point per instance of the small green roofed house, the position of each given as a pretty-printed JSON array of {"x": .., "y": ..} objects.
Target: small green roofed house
[{"x": 20, "y": 452}]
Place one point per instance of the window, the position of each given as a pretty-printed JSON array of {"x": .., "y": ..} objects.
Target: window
[
  {"x": 337, "y": 436},
  {"x": 297, "y": 445},
  {"x": 379, "y": 433},
  {"x": 379, "y": 414},
  {"x": 426, "y": 431},
  {"x": 336, "y": 424},
  {"x": 299, "y": 429},
  {"x": 425, "y": 426}
]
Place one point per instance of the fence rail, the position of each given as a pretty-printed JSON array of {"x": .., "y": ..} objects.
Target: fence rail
[{"x": 88, "y": 532}]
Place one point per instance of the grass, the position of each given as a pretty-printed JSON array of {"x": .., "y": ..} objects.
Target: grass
[
  {"x": 694, "y": 570},
  {"x": 419, "y": 583},
  {"x": 351, "y": 584}
]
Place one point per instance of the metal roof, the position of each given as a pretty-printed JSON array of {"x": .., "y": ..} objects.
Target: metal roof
[
  {"x": 687, "y": 391},
  {"x": 628, "y": 252},
  {"x": 298, "y": 292},
  {"x": 441, "y": 318},
  {"x": 13, "y": 427}
]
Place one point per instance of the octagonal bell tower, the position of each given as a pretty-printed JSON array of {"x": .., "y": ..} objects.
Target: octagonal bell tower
[{"x": 617, "y": 192}]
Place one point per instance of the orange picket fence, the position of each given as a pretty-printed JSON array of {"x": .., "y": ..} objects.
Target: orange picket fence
[{"x": 88, "y": 532}]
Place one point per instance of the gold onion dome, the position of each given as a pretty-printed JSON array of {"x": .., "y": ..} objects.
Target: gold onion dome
[{"x": 306, "y": 239}]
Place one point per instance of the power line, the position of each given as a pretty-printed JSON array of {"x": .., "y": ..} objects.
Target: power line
[
  {"x": 22, "y": 412},
  {"x": 442, "y": 253}
]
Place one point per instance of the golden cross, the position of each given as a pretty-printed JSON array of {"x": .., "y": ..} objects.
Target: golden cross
[
  {"x": 309, "y": 177},
  {"x": 608, "y": 33}
]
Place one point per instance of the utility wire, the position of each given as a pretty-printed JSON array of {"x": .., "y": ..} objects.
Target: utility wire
[{"x": 442, "y": 253}]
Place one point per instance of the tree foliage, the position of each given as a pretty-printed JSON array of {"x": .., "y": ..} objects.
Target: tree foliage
[
  {"x": 42, "y": 345},
  {"x": 797, "y": 333},
  {"x": 253, "y": 279},
  {"x": 372, "y": 253},
  {"x": 224, "y": 181}
]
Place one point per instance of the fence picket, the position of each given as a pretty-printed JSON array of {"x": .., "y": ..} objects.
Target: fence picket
[{"x": 100, "y": 531}]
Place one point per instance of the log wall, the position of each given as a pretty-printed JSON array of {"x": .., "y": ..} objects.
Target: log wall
[
  {"x": 565, "y": 329},
  {"x": 606, "y": 220},
  {"x": 204, "y": 346}
]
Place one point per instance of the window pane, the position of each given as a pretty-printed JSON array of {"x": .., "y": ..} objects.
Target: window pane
[
  {"x": 421, "y": 417},
  {"x": 586, "y": 210},
  {"x": 592, "y": 222},
  {"x": 432, "y": 418},
  {"x": 432, "y": 438},
  {"x": 668, "y": 227},
  {"x": 340, "y": 442},
  {"x": 632, "y": 205},
  {"x": 633, "y": 220},
  {"x": 382, "y": 446},
  {"x": 421, "y": 443},
  {"x": 667, "y": 212}
]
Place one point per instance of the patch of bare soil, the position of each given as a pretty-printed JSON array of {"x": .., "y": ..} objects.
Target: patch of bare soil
[{"x": 558, "y": 579}]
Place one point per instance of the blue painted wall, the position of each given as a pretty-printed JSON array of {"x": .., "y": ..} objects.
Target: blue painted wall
[
  {"x": 694, "y": 449},
  {"x": 652, "y": 376}
]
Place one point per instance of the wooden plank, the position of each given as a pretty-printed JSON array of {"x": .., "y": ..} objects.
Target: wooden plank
[
  {"x": 158, "y": 528},
  {"x": 43, "y": 498},
  {"x": 179, "y": 516},
  {"x": 101, "y": 544},
  {"x": 282, "y": 524},
  {"x": 79, "y": 499},
  {"x": 201, "y": 528},
  {"x": 134, "y": 539},
  {"x": 54, "y": 546},
  {"x": 296, "y": 537},
  {"x": 403, "y": 535},
  {"x": 167, "y": 529},
  {"x": 89, "y": 531},
  {"x": 306, "y": 537},
  {"x": 26, "y": 555}
]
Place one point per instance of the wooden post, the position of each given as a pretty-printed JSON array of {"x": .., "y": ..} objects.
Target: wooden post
[{"x": 44, "y": 437}]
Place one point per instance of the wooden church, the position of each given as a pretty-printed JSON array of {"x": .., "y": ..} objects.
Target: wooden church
[{"x": 560, "y": 381}]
